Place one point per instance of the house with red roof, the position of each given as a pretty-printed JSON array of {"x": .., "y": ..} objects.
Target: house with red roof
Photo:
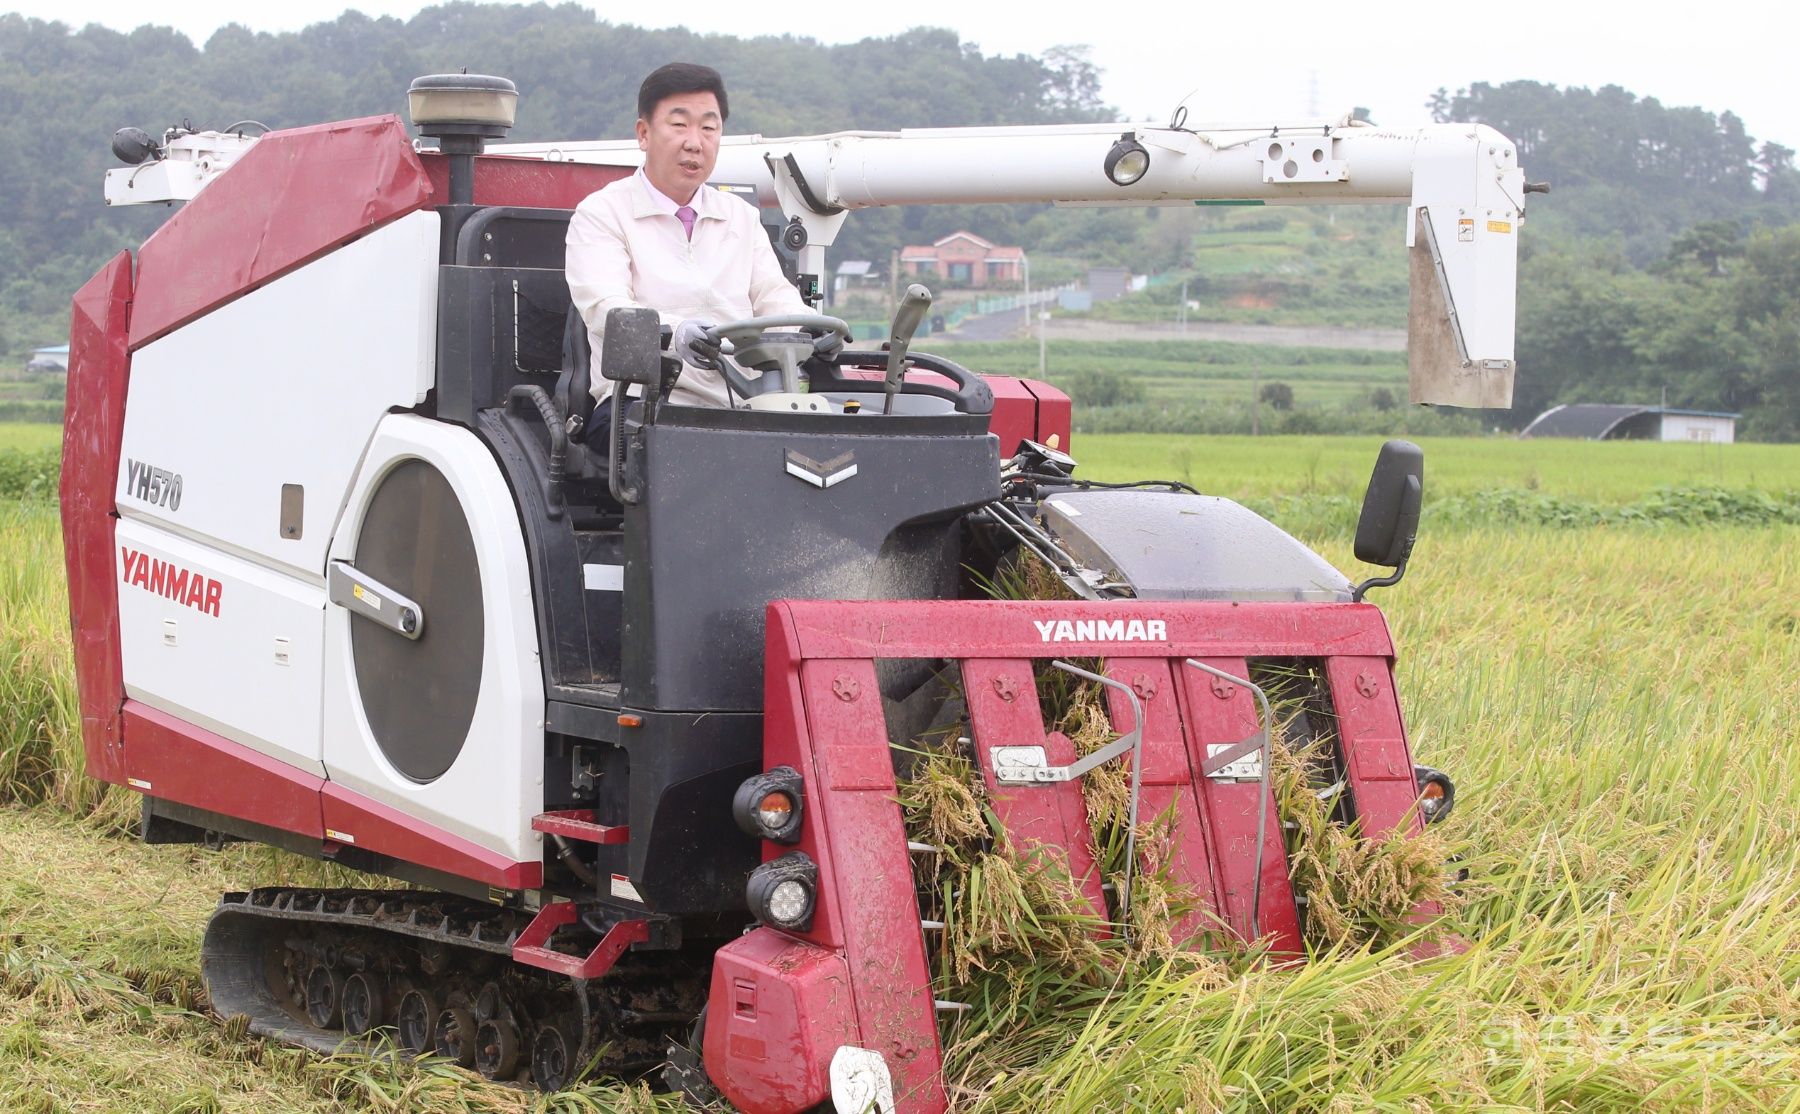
[{"x": 964, "y": 259}]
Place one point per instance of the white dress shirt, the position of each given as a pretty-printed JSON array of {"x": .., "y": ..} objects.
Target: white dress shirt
[{"x": 626, "y": 247}]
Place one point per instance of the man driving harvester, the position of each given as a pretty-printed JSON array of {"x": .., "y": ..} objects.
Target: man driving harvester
[{"x": 660, "y": 239}]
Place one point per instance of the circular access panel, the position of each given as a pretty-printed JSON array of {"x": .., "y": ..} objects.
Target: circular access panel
[{"x": 419, "y": 694}]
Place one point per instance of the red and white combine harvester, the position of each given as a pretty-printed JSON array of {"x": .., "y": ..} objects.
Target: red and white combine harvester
[{"x": 348, "y": 578}]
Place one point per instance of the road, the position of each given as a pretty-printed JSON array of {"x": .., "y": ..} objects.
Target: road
[{"x": 1009, "y": 325}]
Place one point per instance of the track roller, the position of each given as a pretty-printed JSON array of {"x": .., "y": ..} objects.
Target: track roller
[
  {"x": 324, "y": 996},
  {"x": 365, "y": 1003},
  {"x": 456, "y": 1036},
  {"x": 552, "y": 1057},
  {"x": 497, "y": 1048},
  {"x": 417, "y": 1021}
]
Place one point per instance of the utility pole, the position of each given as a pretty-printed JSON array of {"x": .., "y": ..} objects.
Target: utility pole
[
  {"x": 1256, "y": 400},
  {"x": 1043, "y": 343},
  {"x": 1181, "y": 315},
  {"x": 1025, "y": 311}
]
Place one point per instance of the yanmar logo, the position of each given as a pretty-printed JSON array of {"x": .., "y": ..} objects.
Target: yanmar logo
[
  {"x": 1102, "y": 630},
  {"x": 171, "y": 581}
]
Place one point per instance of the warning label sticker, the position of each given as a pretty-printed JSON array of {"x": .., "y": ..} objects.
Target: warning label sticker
[
  {"x": 1499, "y": 226},
  {"x": 622, "y": 887}
]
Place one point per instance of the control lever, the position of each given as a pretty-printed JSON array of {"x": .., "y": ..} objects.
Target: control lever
[{"x": 906, "y": 323}]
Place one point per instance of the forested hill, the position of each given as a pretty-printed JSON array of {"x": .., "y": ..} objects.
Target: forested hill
[
  {"x": 1665, "y": 259},
  {"x": 66, "y": 92},
  {"x": 1665, "y": 263},
  {"x": 1631, "y": 167}
]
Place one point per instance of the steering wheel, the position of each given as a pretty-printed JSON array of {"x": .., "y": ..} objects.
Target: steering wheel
[{"x": 776, "y": 356}]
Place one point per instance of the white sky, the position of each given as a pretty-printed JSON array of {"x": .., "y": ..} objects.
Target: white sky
[{"x": 1242, "y": 61}]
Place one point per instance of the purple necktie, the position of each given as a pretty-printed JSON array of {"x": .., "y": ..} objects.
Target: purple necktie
[{"x": 686, "y": 216}]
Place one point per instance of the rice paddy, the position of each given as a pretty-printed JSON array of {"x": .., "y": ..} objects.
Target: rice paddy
[{"x": 1619, "y": 704}]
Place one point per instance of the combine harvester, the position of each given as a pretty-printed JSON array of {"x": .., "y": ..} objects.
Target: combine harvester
[{"x": 347, "y": 579}]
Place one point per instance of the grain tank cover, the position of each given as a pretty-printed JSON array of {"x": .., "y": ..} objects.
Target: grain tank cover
[{"x": 1177, "y": 546}]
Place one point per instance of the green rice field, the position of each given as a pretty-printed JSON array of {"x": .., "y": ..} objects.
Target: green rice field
[
  {"x": 1200, "y": 372},
  {"x": 1613, "y": 471},
  {"x": 1616, "y": 695},
  {"x": 30, "y": 436}
]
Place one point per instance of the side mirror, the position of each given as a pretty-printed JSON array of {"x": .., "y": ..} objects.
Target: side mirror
[
  {"x": 1390, "y": 512},
  {"x": 632, "y": 349}
]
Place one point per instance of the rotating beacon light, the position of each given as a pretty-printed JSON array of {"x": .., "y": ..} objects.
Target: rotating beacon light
[{"x": 462, "y": 111}]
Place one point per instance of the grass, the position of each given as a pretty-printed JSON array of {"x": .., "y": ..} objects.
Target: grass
[
  {"x": 1617, "y": 704},
  {"x": 1198, "y": 371},
  {"x": 30, "y": 436},
  {"x": 1608, "y": 472}
]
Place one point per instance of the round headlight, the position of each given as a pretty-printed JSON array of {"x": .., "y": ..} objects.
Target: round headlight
[
  {"x": 784, "y": 892},
  {"x": 789, "y": 902},
  {"x": 1127, "y": 161}
]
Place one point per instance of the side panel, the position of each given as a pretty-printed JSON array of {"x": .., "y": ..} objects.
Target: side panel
[
  {"x": 220, "y": 642},
  {"x": 281, "y": 388},
  {"x": 294, "y": 196},
  {"x": 504, "y": 180},
  {"x": 180, "y": 762},
  {"x": 93, "y": 421},
  {"x": 1055, "y": 413},
  {"x": 494, "y": 785},
  {"x": 783, "y": 1010},
  {"x": 1015, "y": 415}
]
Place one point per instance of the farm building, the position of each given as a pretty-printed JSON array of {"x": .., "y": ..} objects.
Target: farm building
[
  {"x": 965, "y": 259},
  {"x": 54, "y": 358},
  {"x": 1597, "y": 422}
]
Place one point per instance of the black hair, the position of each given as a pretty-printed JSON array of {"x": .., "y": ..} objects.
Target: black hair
[{"x": 677, "y": 78}]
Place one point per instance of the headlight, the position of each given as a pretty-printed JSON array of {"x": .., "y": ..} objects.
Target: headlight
[
  {"x": 1437, "y": 793},
  {"x": 770, "y": 806},
  {"x": 784, "y": 892},
  {"x": 1127, "y": 161}
]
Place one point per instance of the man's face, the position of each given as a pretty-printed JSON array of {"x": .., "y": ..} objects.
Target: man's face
[{"x": 681, "y": 143}]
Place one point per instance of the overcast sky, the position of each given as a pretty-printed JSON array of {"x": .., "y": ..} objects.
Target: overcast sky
[{"x": 1233, "y": 62}]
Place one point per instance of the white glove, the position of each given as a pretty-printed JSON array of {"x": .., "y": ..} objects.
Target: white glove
[{"x": 691, "y": 345}]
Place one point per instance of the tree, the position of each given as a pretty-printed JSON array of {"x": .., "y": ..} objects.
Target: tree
[
  {"x": 1090, "y": 388},
  {"x": 1278, "y": 395},
  {"x": 1709, "y": 243},
  {"x": 1071, "y": 85}
]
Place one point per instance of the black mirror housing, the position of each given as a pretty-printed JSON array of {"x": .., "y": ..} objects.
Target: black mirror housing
[
  {"x": 1390, "y": 510},
  {"x": 632, "y": 348}
]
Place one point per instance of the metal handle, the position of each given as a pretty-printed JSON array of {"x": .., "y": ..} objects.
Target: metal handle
[
  {"x": 1259, "y": 743},
  {"x": 1028, "y": 765},
  {"x": 367, "y": 598},
  {"x": 906, "y": 322}
]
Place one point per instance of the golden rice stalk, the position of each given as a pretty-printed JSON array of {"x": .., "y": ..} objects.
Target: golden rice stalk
[{"x": 1359, "y": 892}]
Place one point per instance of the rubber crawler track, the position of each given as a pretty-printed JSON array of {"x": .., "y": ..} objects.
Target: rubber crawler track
[{"x": 270, "y": 954}]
